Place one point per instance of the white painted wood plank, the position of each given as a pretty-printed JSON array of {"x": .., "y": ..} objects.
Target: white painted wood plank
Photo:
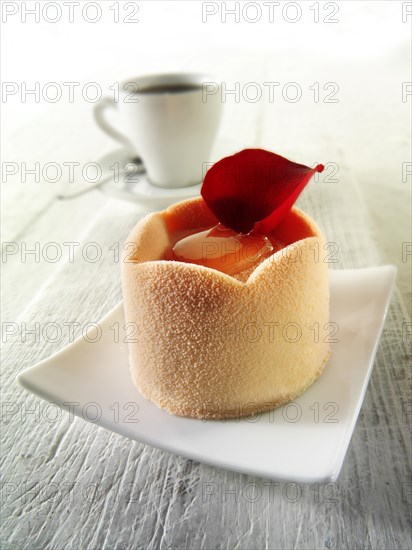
[{"x": 80, "y": 486}]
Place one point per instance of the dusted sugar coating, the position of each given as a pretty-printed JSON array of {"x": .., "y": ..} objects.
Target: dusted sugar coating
[{"x": 212, "y": 346}]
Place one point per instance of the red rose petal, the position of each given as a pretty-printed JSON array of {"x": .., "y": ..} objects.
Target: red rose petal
[{"x": 254, "y": 189}]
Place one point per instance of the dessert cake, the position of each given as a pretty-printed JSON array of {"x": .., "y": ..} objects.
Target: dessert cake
[{"x": 230, "y": 333}]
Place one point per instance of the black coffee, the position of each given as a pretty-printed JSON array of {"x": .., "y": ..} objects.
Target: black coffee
[{"x": 169, "y": 89}]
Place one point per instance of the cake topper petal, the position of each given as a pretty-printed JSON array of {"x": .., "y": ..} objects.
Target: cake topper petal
[{"x": 254, "y": 189}]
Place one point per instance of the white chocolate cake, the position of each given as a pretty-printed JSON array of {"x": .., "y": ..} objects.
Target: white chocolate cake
[{"x": 211, "y": 345}]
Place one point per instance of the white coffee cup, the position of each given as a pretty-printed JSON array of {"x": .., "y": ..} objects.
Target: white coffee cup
[{"x": 170, "y": 121}]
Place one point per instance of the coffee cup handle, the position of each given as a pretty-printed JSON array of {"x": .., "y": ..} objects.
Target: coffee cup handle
[{"x": 101, "y": 121}]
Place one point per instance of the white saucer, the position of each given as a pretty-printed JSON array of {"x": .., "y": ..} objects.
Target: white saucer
[
  {"x": 137, "y": 188},
  {"x": 305, "y": 441},
  {"x": 119, "y": 177}
]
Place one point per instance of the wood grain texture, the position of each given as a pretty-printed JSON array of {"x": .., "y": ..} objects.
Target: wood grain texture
[{"x": 70, "y": 484}]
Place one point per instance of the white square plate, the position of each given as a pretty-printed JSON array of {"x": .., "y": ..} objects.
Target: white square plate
[{"x": 304, "y": 441}]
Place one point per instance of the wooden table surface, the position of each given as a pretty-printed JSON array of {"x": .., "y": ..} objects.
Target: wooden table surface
[{"x": 68, "y": 484}]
